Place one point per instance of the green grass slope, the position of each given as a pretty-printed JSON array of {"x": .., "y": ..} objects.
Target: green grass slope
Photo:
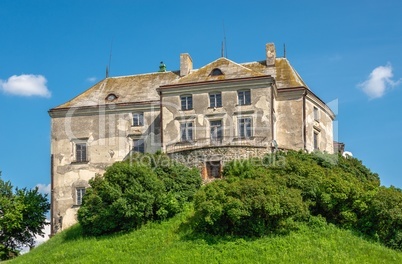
[{"x": 173, "y": 242}]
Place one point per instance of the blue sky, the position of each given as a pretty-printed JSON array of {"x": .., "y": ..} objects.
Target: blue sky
[{"x": 51, "y": 51}]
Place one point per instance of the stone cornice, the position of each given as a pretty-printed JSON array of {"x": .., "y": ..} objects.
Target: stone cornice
[
  {"x": 105, "y": 109},
  {"x": 208, "y": 86}
]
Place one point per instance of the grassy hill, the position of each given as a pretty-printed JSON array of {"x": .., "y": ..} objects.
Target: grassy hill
[{"x": 173, "y": 242}]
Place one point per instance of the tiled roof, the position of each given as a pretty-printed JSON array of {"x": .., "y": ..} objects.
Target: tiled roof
[
  {"x": 285, "y": 75},
  {"x": 128, "y": 89},
  {"x": 143, "y": 87}
]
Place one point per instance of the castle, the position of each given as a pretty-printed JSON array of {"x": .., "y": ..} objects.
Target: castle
[{"x": 203, "y": 117}]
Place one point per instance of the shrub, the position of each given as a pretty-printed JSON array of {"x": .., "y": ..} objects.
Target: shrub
[
  {"x": 133, "y": 192},
  {"x": 249, "y": 207},
  {"x": 258, "y": 196},
  {"x": 384, "y": 217}
]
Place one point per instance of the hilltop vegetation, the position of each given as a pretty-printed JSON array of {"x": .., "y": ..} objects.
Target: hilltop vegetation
[
  {"x": 133, "y": 192},
  {"x": 173, "y": 241},
  {"x": 256, "y": 197},
  {"x": 285, "y": 208},
  {"x": 275, "y": 194}
]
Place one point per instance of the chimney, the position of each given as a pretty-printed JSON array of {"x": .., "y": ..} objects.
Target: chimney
[
  {"x": 186, "y": 64},
  {"x": 271, "y": 54}
]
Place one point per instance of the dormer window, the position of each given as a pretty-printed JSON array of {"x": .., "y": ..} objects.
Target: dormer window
[
  {"x": 216, "y": 72},
  {"x": 111, "y": 97}
]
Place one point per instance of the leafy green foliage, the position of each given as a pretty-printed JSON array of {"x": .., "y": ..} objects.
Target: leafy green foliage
[
  {"x": 249, "y": 207},
  {"x": 260, "y": 196},
  {"x": 384, "y": 219},
  {"x": 22, "y": 216},
  {"x": 173, "y": 241},
  {"x": 131, "y": 193}
]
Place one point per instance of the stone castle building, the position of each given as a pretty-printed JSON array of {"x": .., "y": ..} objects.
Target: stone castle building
[{"x": 204, "y": 116}]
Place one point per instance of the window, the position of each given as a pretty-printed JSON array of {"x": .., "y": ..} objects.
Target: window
[
  {"x": 80, "y": 152},
  {"x": 216, "y": 131},
  {"x": 138, "y": 119},
  {"x": 213, "y": 169},
  {"x": 215, "y": 100},
  {"x": 316, "y": 141},
  {"x": 111, "y": 97},
  {"x": 244, "y": 97},
  {"x": 186, "y": 102},
  {"x": 79, "y": 193},
  {"x": 186, "y": 131},
  {"x": 216, "y": 72},
  {"x": 245, "y": 130},
  {"x": 139, "y": 145},
  {"x": 316, "y": 114}
]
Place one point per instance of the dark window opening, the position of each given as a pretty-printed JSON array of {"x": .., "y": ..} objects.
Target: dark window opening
[
  {"x": 80, "y": 152},
  {"x": 213, "y": 169},
  {"x": 138, "y": 119},
  {"x": 139, "y": 145},
  {"x": 244, "y": 97},
  {"x": 216, "y": 72},
  {"x": 215, "y": 100},
  {"x": 186, "y": 102}
]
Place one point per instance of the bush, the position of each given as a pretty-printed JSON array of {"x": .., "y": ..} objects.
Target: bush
[
  {"x": 249, "y": 207},
  {"x": 130, "y": 193},
  {"x": 384, "y": 217},
  {"x": 258, "y": 196}
]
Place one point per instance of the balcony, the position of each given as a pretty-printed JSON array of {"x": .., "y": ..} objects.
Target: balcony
[{"x": 198, "y": 143}]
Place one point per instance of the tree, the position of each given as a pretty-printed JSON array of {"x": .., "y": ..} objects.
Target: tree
[{"x": 22, "y": 216}]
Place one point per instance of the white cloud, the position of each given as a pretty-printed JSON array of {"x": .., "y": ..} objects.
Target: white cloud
[
  {"x": 43, "y": 188},
  {"x": 378, "y": 82},
  {"x": 39, "y": 239},
  {"x": 91, "y": 79},
  {"x": 26, "y": 85},
  {"x": 347, "y": 154}
]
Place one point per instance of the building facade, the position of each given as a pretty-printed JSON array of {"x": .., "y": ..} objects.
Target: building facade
[{"x": 202, "y": 117}]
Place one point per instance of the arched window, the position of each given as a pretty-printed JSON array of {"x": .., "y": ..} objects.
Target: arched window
[
  {"x": 111, "y": 97},
  {"x": 216, "y": 72}
]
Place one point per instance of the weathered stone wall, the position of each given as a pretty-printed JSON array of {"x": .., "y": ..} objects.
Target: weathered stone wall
[
  {"x": 109, "y": 138},
  {"x": 323, "y": 126},
  {"x": 259, "y": 110},
  {"x": 198, "y": 157},
  {"x": 289, "y": 121}
]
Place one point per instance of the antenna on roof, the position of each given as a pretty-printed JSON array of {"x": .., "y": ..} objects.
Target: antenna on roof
[
  {"x": 224, "y": 47},
  {"x": 110, "y": 59},
  {"x": 284, "y": 50}
]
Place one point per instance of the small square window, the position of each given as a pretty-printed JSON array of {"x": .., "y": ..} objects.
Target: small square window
[
  {"x": 215, "y": 100},
  {"x": 80, "y": 152},
  {"x": 186, "y": 102},
  {"x": 79, "y": 192},
  {"x": 139, "y": 145},
  {"x": 244, "y": 97},
  {"x": 138, "y": 119}
]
